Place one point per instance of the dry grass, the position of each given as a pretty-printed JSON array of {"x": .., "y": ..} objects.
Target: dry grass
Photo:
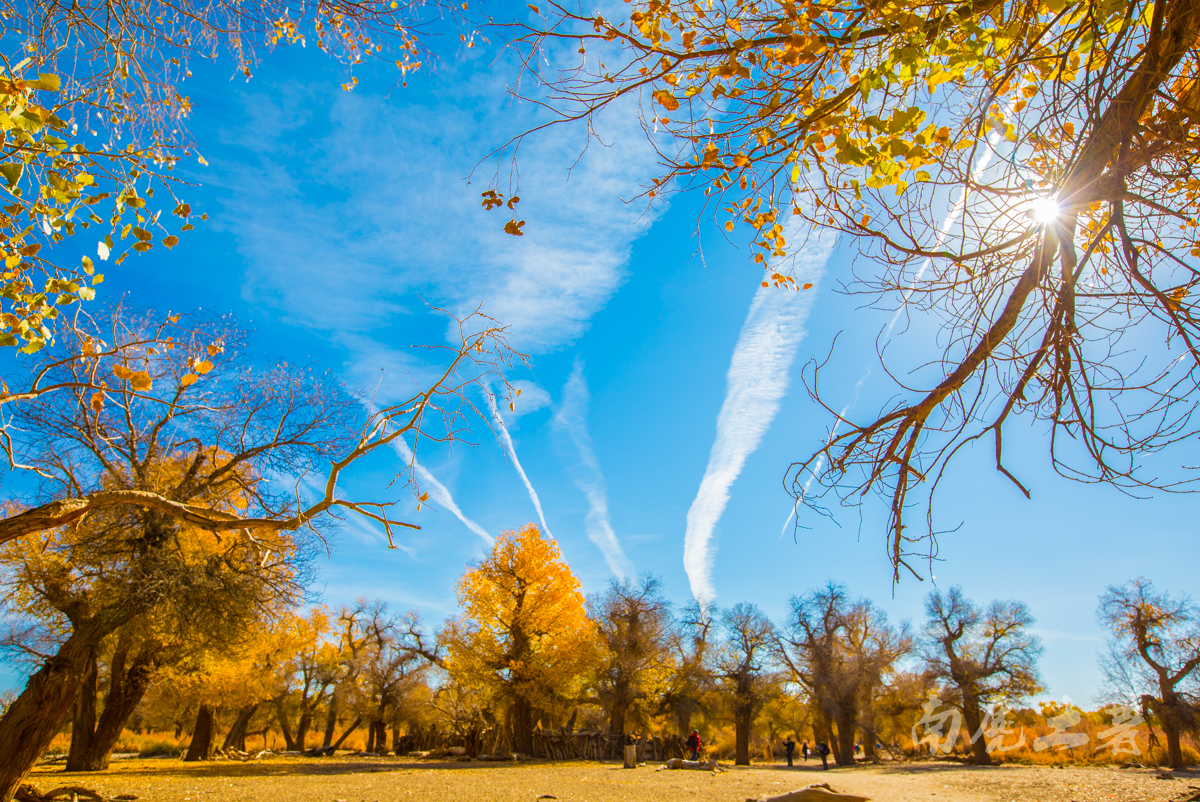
[{"x": 346, "y": 779}]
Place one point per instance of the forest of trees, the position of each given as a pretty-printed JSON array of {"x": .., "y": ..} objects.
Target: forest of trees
[
  {"x": 528, "y": 655},
  {"x": 155, "y": 570}
]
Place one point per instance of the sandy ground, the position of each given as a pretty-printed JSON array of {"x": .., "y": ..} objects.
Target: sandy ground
[{"x": 399, "y": 780}]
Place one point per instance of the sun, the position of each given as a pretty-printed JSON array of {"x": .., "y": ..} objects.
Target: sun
[{"x": 1044, "y": 210}]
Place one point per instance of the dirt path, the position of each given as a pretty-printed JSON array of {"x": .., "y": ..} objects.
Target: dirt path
[{"x": 396, "y": 780}]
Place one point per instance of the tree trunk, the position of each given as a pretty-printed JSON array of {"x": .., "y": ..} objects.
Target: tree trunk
[
  {"x": 868, "y": 742},
  {"x": 846, "y": 727},
  {"x": 380, "y": 727},
  {"x": 126, "y": 687},
  {"x": 331, "y": 719},
  {"x": 346, "y": 733},
  {"x": 743, "y": 715},
  {"x": 616, "y": 722},
  {"x": 83, "y": 728},
  {"x": 683, "y": 718},
  {"x": 302, "y": 729},
  {"x": 202, "y": 736},
  {"x": 289, "y": 743},
  {"x": 36, "y": 716},
  {"x": 973, "y": 718},
  {"x": 236, "y": 737},
  {"x": 522, "y": 725}
]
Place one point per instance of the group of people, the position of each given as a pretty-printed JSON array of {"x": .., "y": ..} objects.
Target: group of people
[
  {"x": 822, "y": 750},
  {"x": 695, "y": 746}
]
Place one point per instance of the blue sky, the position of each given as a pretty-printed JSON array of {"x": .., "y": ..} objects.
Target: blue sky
[{"x": 335, "y": 216}]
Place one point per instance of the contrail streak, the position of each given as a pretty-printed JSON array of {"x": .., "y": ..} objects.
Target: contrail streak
[
  {"x": 571, "y": 418},
  {"x": 508, "y": 443},
  {"x": 438, "y": 491},
  {"x": 758, "y": 378}
]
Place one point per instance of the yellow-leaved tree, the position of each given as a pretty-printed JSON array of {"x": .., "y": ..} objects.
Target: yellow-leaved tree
[{"x": 524, "y": 634}]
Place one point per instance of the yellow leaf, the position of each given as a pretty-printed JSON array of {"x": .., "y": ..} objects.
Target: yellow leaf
[
  {"x": 122, "y": 372},
  {"x": 213, "y": 350},
  {"x": 188, "y": 380},
  {"x": 203, "y": 367},
  {"x": 97, "y": 402},
  {"x": 514, "y": 227},
  {"x": 666, "y": 99},
  {"x": 140, "y": 381}
]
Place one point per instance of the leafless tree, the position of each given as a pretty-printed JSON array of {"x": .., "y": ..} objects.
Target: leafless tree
[
  {"x": 842, "y": 651},
  {"x": 744, "y": 665},
  {"x": 1155, "y": 654},
  {"x": 985, "y": 656},
  {"x": 635, "y": 624}
]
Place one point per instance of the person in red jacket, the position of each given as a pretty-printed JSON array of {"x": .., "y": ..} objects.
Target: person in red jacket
[{"x": 694, "y": 744}]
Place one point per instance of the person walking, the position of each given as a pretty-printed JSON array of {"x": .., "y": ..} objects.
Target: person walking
[
  {"x": 789, "y": 746},
  {"x": 694, "y": 744},
  {"x": 823, "y": 751},
  {"x": 804, "y": 750}
]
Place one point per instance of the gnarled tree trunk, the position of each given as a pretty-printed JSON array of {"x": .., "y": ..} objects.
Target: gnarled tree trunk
[
  {"x": 236, "y": 737},
  {"x": 127, "y": 685},
  {"x": 37, "y": 715},
  {"x": 83, "y": 728}
]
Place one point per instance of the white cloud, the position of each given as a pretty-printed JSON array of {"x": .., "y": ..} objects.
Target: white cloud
[
  {"x": 339, "y": 235},
  {"x": 571, "y": 418},
  {"x": 533, "y": 398},
  {"x": 758, "y": 378}
]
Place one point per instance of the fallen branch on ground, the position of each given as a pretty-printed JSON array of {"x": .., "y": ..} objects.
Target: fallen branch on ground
[{"x": 28, "y": 793}]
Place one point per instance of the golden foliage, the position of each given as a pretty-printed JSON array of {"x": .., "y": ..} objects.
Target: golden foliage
[{"x": 523, "y": 631}]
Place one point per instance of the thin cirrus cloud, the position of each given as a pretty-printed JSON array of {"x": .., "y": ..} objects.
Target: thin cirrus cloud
[
  {"x": 375, "y": 205},
  {"x": 571, "y": 419},
  {"x": 758, "y": 379},
  {"x": 342, "y": 238}
]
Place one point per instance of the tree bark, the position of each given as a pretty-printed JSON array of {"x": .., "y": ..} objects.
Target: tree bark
[
  {"x": 380, "y": 727},
  {"x": 1168, "y": 715},
  {"x": 346, "y": 733},
  {"x": 331, "y": 719},
  {"x": 289, "y": 742},
  {"x": 846, "y": 727},
  {"x": 236, "y": 737},
  {"x": 126, "y": 687},
  {"x": 743, "y": 715},
  {"x": 973, "y": 718},
  {"x": 37, "y": 715},
  {"x": 522, "y": 725},
  {"x": 83, "y": 728},
  {"x": 202, "y": 736},
  {"x": 620, "y": 706},
  {"x": 302, "y": 729}
]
